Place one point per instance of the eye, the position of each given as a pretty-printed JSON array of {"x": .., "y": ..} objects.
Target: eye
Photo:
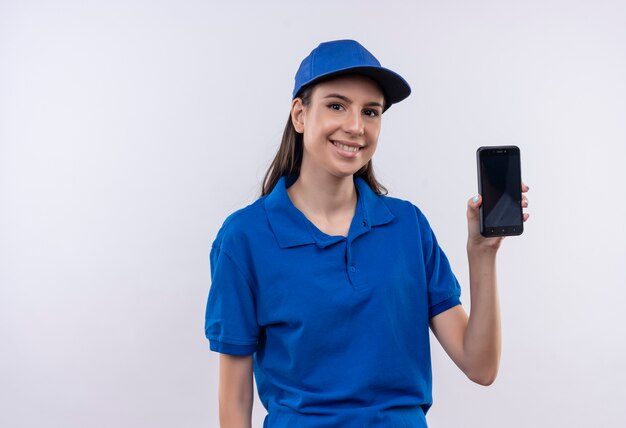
[
  {"x": 371, "y": 113},
  {"x": 335, "y": 106}
]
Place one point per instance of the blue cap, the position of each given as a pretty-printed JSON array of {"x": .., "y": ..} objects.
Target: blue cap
[{"x": 340, "y": 57}]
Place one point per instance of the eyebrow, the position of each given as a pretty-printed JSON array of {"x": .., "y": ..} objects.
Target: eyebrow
[{"x": 349, "y": 101}]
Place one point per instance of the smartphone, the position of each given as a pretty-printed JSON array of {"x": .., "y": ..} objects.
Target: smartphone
[{"x": 500, "y": 184}]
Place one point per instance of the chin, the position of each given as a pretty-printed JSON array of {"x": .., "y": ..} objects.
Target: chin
[{"x": 343, "y": 173}]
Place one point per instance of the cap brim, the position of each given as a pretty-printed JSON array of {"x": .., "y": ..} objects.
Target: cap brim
[{"x": 394, "y": 87}]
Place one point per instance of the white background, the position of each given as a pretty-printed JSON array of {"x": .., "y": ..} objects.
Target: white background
[{"x": 130, "y": 129}]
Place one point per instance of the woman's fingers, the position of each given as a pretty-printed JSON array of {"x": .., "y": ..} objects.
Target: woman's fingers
[
  {"x": 525, "y": 189},
  {"x": 474, "y": 203},
  {"x": 472, "y": 206}
]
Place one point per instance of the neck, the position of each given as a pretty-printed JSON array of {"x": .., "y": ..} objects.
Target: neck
[{"x": 322, "y": 194}]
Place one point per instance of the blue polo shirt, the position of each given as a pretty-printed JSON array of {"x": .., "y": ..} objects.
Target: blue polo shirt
[{"x": 339, "y": 326}]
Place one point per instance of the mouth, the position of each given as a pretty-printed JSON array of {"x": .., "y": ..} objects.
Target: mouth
[{"x": 348, "y": 148}]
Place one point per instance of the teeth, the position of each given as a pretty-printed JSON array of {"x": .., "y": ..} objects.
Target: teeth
[{"x": 346, "y": 148}]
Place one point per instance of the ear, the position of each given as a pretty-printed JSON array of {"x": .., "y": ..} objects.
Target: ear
[{"x": 297, "y": 115}]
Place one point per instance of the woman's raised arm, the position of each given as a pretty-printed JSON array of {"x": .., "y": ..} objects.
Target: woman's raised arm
[{"x": 474, "y": 342}]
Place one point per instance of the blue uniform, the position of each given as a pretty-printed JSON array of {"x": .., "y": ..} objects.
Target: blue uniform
[{"x": 339, "y": 326}]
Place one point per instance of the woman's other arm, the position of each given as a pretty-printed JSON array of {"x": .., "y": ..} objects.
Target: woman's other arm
[{"x": 235, "y": 391}]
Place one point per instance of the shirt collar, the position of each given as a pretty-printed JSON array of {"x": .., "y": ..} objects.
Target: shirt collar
[{"x": 292, "y": 228}]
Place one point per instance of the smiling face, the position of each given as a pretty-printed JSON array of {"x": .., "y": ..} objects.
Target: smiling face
[{"x": 340, "y": 125}]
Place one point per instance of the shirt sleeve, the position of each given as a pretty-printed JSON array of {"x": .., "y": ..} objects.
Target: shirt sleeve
[
  {"x": 444, "y": 290},
  {"x": 230, "y": 321}
]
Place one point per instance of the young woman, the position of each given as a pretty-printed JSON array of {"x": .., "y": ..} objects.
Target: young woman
[{"x": 325, "y": 288}]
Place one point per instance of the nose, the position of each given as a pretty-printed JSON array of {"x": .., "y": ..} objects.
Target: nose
[{"x": 354, "y": 123}]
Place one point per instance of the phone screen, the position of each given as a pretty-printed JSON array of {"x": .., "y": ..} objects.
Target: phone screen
[{"x": 500, "y": 186}]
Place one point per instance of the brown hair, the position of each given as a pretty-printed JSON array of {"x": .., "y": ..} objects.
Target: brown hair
[{"x": 289, "y": 157}]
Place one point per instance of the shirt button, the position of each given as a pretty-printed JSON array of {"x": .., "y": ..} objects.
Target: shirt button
[{"x": 352, "y": 269}]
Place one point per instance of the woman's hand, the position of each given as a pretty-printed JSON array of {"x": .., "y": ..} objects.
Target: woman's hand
[{"x": 477, "y": 242}]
